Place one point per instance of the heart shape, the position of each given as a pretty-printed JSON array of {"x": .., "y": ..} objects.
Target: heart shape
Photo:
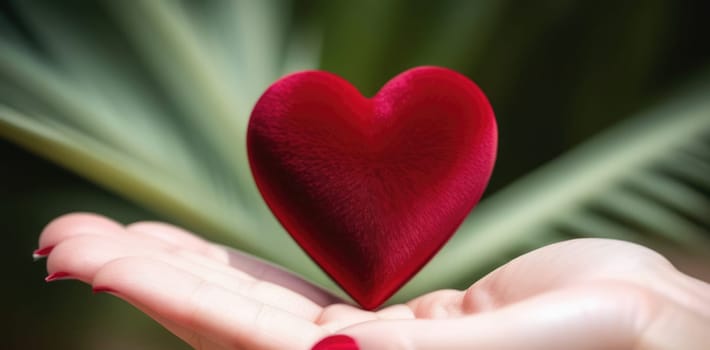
[{"x": 372, "y": 188}]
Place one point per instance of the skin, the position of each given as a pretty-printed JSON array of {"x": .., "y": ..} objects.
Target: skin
[{"x": 578, "y": 294}]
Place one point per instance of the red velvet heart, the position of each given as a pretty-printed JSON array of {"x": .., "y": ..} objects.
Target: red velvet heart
[{"x": 372, "y": 188}]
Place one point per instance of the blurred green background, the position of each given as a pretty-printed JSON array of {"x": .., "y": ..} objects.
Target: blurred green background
[{"x": 556, "y": 72}]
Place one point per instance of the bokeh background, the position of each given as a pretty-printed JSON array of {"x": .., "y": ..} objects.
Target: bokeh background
[{"x": 557, "y": 73}]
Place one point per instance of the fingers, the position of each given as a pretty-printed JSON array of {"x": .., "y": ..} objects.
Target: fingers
[
  {"x": 87, "y": 247},
  {"x": 82, "y": 256},
  {"x": 147, "y": 238},
  {"x": 74, "y": 224},
  {"x": 255, "y": 267},
  {"x": 569, "y": 263},
  {"x": 608, "y": 316},
  {"x": 209, "y": 309},
  {"x": 177, "y": 237}
]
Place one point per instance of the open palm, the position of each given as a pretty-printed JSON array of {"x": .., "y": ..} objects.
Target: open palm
[{"x": 578, "y": 294}]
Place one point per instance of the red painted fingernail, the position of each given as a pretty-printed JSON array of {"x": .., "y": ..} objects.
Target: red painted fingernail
[
  {"x": 336, "y": 342},
  {"x": 55, "y": 276},
  {"x": 41, "y": 252},
  {"x": 100, "y": 289}
]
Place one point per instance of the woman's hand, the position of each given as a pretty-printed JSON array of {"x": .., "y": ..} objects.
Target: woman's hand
[{"x": 581, "y": 294}]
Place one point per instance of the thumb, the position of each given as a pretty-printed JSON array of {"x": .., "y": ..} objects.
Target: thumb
[{"x": 610, "y": 316}]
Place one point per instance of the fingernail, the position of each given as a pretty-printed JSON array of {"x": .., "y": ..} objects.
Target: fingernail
[
  {"x": 41, "y": 253},
  {"x": 56, "y": 276},
  {"x": 336, "y": 342},
  {"x": 102, "y": 289}
]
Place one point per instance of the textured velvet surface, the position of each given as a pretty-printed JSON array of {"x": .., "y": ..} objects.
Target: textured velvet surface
[{"x": 372, "y": 188}]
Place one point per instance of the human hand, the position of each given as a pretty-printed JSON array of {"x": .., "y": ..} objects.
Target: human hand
[{"x": 581, "y": 294}]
